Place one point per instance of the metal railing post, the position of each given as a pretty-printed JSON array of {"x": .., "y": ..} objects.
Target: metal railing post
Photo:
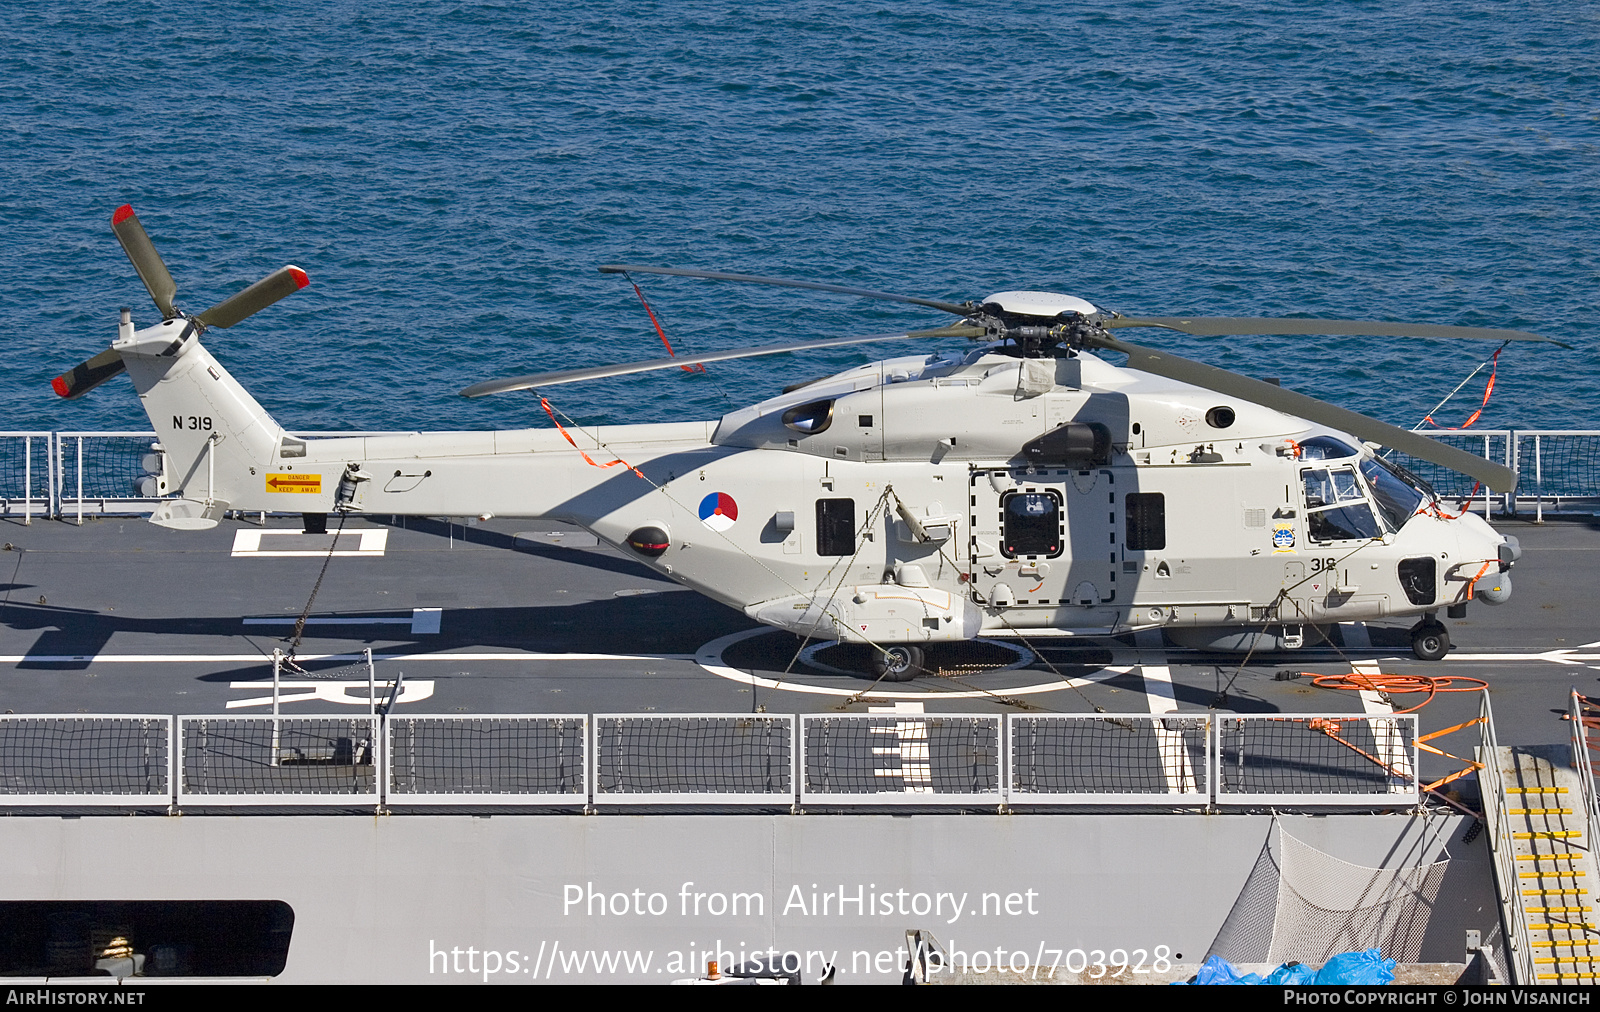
[
  {"x": 796, "y": 764},
  {"x": 1538, "y": 479},
  {"x": 1488, "y": 454},
  {"x": 277, "y": 667},
  {"x": 174, "y": 768},
  {"x": 80, "y": 481}
]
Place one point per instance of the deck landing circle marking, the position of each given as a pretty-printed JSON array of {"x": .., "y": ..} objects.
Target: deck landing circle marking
[{"x": 710, "y": 658}]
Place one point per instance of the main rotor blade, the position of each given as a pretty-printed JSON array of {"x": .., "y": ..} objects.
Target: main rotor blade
[
  {"x": 142, "y": 252},
  {"x": 85, "y": 376},
  {"x": 545, "y": 379},
  {"x": 1498, "y": 478},
  {"x": 280, "y": 283},
  {"x": 750, "y": 279},
  {"x": 1217, "y": 326}
]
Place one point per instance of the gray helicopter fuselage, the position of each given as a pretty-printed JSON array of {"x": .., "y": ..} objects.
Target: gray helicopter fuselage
[{"x": 917, "y": 499}]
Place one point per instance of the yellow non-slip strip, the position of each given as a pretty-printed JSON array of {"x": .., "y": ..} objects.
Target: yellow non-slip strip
[
  {"x": 1538, "y": 811},
  {"x": 1550, "y": 874},
  {"x": 1536, "y": 790},
  {"x": 1572, "y": 943},
  {"x": 1554, "y": 834},
  {"x": 1569, "y": 976},
  {"x": 1562, "y": 926},
  {"x": 1548, "y": 857},
  {"x": 1555, "y": 892},
  {"x": 1557, "y": 910},
  {"x": 1547, "y": 960}
]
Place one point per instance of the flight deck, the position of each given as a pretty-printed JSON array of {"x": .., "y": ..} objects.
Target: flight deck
[{"x": 118, "y": 616}]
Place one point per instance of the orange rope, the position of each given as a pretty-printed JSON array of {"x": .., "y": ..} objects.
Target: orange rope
[
  {"x": 661, "y": 333},
  {"x": 1487, "y": 390},
  {"x": 1399, "y": 685},
  {"x": 1473, "y": 583},
  {"x": 544, "y": 402},
  {"x": 1466, "y": 504}
]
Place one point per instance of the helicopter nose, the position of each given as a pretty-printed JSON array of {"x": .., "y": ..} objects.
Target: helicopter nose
[{"x": 1509, "y": 552}]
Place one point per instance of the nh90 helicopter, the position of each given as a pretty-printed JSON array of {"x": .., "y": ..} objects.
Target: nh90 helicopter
[{"x": 1024, "y": 487}]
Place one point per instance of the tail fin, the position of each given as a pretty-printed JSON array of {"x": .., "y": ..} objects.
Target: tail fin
[{"x": 217, "y": 439}]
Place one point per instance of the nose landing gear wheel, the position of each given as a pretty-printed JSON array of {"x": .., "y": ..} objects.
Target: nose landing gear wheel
[
  {"x": 1430, "y": 641},
  {"x": 898, "y": 663}
]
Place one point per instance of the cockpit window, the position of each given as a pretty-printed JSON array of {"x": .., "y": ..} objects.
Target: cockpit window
[
  {"x": 1325, "y": 448},
  {"x": 1396, "y": 498},
  {"x": 1336, "y": 507}
]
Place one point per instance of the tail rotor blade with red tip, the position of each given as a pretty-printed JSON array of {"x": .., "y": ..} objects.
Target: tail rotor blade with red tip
[
  {"x": 87, "y": 375},
  {"x": 259, "y": 296},
  {"x": 152, "y": 271}
]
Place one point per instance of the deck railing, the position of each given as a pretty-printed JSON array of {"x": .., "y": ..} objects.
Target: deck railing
[{"x": 827, "y": 762}]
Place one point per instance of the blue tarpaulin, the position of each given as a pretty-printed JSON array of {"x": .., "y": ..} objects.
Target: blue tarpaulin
[{"x": 1366, "y": 967}]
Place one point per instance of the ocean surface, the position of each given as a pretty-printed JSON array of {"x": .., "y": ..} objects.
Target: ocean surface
[{"x": 450, "y": 175}]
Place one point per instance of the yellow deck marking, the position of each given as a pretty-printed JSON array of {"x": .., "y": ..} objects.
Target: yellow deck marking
[
  {"x": 1563, "y": 926},
  {"x": 1548, "y": 857},
  {"x": 1573, "y": 943}
]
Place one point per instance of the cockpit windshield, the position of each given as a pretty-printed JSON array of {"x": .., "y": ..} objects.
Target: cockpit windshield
[{"x": 1398, "y": 500}]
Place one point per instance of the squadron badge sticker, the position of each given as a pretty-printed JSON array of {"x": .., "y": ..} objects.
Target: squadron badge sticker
[
  {"x": 1283, "y": 537},
  {"x": 718, "y": 511}
]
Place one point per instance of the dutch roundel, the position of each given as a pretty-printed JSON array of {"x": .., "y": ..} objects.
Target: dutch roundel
[{"x": 718, "y": 511}]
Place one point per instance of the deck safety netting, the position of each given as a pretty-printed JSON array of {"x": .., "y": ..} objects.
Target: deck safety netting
[
  {"x": 83, "y": 755},
  {"x": 693, "y": 755},
  {"x": 1089, "y": 755},
  {"x": 1299, "y": 903},
  {"x": 269, "y": 756},
  {"x": 513, "y": 756},
  {"x": 25, "y": 467},
  {"x": 856, "y": 755}
]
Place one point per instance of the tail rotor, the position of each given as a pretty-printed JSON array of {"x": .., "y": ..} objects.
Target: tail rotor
[{"x": 158, "y": 282}]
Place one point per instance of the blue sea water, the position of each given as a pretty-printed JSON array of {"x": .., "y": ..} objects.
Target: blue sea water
[{"x": 450, "y": 174}]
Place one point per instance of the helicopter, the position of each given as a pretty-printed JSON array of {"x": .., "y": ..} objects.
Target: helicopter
[{"x": 1022, "y": 487}]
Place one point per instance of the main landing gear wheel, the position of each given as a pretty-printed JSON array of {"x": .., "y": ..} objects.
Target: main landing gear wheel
[
  {"x": 1429, "y": 640},
  {"x": 898, "y": 663}
]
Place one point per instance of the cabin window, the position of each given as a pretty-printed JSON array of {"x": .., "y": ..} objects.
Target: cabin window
[
  {"x": 1147, "y": 521},
  {"x": 1032, "y": 524},
  {"x": 1336, "y": 507},
  {"x": 836, "y": 526}
]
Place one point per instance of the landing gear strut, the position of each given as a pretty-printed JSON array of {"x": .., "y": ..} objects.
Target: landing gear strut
[
  {"x": 1429, "y": 640},
  {"x": 899, "y": 663}
]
